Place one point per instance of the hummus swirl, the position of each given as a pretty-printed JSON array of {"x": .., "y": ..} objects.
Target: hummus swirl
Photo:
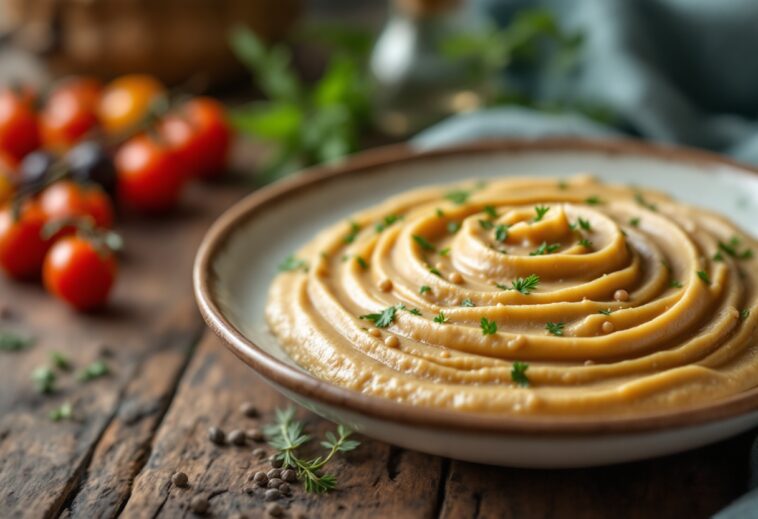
[{"x": 526, "y": 295}]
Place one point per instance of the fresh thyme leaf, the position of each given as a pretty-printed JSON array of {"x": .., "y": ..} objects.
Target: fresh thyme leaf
[
  {"x": 544, "y": 248},
  {"x": 287, "y": 435},
  {"x": 486, "y": 224},
  {"x": 64, "y": 412},
  {"x": 383, "y": 319},
  {"x": 458, "y": 196},
  {"x": 291, "y": 263},
  {"x": 353, "y": 233},
  {"x": 95, "y": 370},
  {"x": 518, "y": 374},
  {"x": 675, "y": 284},
  {"x": 640, "y": 199},
  {"x": 488, "y": 327},
  {"x": 361, "y": 262},
  {"x": 435, "y": 271},
  {"x": 441, "y": 318},
  {"x": 745, "y": 313},
  {"x": 491, "y": 211},
  {"x": 634, "y": 222},
  {"x": 468, "y": 303},
  {"x": 13, "y": 342},
  {"x": 525, "y": 285},
  {"x": 585, "y": 225},
  {"x": 421, "y": 241},
  {"x": 703, "y": 275},
  {"x": 501, "y": 232},
  {"x": 44, "y": 379},
  {"x": 60, "y": 361},
  {"x": 541, "y": 211},
  {"x": 387, "y": 221},
  {"x": 607, "y": 311},
  {"x": 587, "y": 244},
  {"x": 453, "y": 227},
  {"x": 593, "y": 200},
  {"x": 444, "y": 252},
  {"x": 423, "y": 289},
  {"x": 555, "y": 328}
]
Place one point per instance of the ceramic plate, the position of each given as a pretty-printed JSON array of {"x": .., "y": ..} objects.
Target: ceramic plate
[{"x": 240, "y": 254}]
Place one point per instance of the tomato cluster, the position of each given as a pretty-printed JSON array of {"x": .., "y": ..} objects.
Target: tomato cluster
[{"x": 64, "y": 167}]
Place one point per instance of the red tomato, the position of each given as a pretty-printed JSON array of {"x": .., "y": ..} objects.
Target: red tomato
[
  {"x": 150, "y": 177},
  {"x": 201, "y": 135},
  {"x": 19, "y": 131},
  {"x": 68, "y": 199},
  {"x": 126, "y": 101},
  {"x": 79, "y": 273},
  {"x": 22, "y": 249},
  {"x": 70, "y": 112}
]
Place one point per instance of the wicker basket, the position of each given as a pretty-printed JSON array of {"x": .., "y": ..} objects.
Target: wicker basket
[{"x": 172, "y": 39}]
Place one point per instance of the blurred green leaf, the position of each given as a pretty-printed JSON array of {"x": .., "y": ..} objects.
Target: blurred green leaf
[{"x": 269, "y": 120}]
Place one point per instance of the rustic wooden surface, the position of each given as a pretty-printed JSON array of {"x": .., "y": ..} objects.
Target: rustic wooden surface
[{"x": 172, "y": 379}]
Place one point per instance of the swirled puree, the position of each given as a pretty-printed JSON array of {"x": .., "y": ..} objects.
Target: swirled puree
[{"x": 525, "y": 295}]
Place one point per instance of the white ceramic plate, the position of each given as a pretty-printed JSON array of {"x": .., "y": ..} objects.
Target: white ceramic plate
[{"x": 240, "y": 254}]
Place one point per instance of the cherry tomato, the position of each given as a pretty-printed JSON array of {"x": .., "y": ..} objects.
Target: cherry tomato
[
  {"x": 22, "y": 249},
  {"x": 70, "y": 112},
  {"x": 19, "y": 131},
  {"x": 179, "y": 133},
  {"x": 213, "y": 135},
  {"x": 150, "y": 177},
  {"x": 79, "y": 272},
  {"x": 70, "y": 200},
  {"x": 126, "y": 101}
]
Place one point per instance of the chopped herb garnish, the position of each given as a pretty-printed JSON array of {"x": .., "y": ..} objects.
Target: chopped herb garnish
[
  {"x": 745, "y": 313},
  {"x": 468, "y": 303},
  {"x": 95, "y": 370},
  {"x": 439, "y": 212},
  {"x": 562, "y": 185},
  {"x": 525, "y": 285},
  {"x": 584, "y": 224},
  {"x": 453, "y": 227},
  {"x": 440, "y": 318},
  {"x": 718, "y": 257},
  {"x": 421, "y": 241},
  {"x": 387, "y": 221},
  {"x": 383, "y": 319},
  {"x": 445, "y": 251},
  {"x": 518, "y": 374},
  {"x": 675, "y": 284},
  {"x": 634, "y": 222},
  {"x": 501, "y": 232},
  {"x": 587, "y": 244},
  {"x": 64, "y": 412},
  {"x": 544, "y": 248},
  {"x": 488, "y": 327},
  {"x": 541, "y": 211},
  {"x": 287, "y": 435},
  {"x": 491, "y": 211},
  {"x": 435, "y": 271},
  {"x": 486, "y": 224},
  {"x": 44, "y": 379},
  {"x": 555, "y": 328},
  {"x": 291, "y": 263},
  {"x": 593, "y": 200},
  {"x": 640, "y": 199},
  {"x": 703, "y": 275},
  {"x": 13, "y": 342},
  {"x": 354, "y": 230},
  {"x": 361, "y": 262},
  {"x": 607, "y": 311},
  {"x": 458, "y": 196},
  {"x": 423, "y": 289},
  {"x": 60, "y": 361},
  {"x": 731, "y": 249},
  {"x": 414, "y": 311}
]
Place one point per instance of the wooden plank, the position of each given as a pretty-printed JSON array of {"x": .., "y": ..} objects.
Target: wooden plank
[
  {"x": 151, "y": 319},
  {"x": 374, "y": 481}
]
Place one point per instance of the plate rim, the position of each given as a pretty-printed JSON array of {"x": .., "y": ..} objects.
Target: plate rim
[{"x": 312, "y": 388}]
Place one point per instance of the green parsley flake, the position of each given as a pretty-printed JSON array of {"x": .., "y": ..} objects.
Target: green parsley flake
[
  {"x": 634, "y": 222},
  {"x": 607, "y": 311},
  {"x": 745, "y": 313},
  {"x": 445, "y": 251},
  {"x": 544, "y": 248},
  {"x": 387, "y": 221},
  {"x": 440, "y": 318},
  {"x": 435, "y": 271},
  {"x": 491, "y": 211},
  {"x": 64, "y": 412},
  {"x": 525, "y": 285},
  {"x": 486, "y": 224},
  {"x": 703, "y": 275},
  {"x": 675, "y": 284},
  {"x": 585, "y": 225},
  {"x": 383, "y": 319},
  {"x": 501, "y": 232},
  {"x": 44, "y": 379},
  {"x": 353, "y": 233},
  {"x": 541, "y": 211},
  {"x": 423, "y": 289},
  {"x": 291, "y": 263},
  {"x": 640, "y": 199},
  {"x": 468, "y": 303},
  {"x": 414, "y": 311},
  {"x": 555, "y": 328},
  {"x": 421, "y": 241},
  {"x": 453, "y": 227},
  {"x": 439, "y": 212},
  {"x": 587, "y": 244},
  {"x": 95, "y": 370},
  {"x": 593, "y": 200},
  {"x": 361, "y": 262},
  {"x": 518, "y": 374},
  {"x": 458, "y": 196},
  {"x": 488, "y": 327}
]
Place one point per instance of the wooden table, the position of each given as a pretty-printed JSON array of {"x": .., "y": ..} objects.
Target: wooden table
[{"x": 171, "y": 379}]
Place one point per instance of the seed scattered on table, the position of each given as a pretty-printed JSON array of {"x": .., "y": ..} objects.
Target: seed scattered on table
[
  {"x": 275, "y": 510},
  {"x": 274, "y": 473},
  {"x": 289, "y": 475},
  {"x": 274, "y": 483},
  {"x": 260, "y": 478},
  {"x": 255, "y": 435},
  {"x": 199, "y": 504},
  {"x": 237, "y": 437},
  {"x": 249, "y": 410},
  {"x": 216, "y": 435},
  {"x": 275, "y": 462},
  {"x": 272, "y": 494},
  {"x": 180, "y": 479},
  {"x": 259, "y": 453},
  {"x": 285, "y": 489}
]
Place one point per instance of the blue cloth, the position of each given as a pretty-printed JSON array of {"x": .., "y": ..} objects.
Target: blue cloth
[{"x": 676, "y": 71}]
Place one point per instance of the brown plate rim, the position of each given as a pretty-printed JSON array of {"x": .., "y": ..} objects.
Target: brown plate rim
[{"x": 378, "y": 408}]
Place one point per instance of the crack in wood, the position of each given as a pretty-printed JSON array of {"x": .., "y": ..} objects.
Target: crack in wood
[{"x": 442, "y": 488}]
